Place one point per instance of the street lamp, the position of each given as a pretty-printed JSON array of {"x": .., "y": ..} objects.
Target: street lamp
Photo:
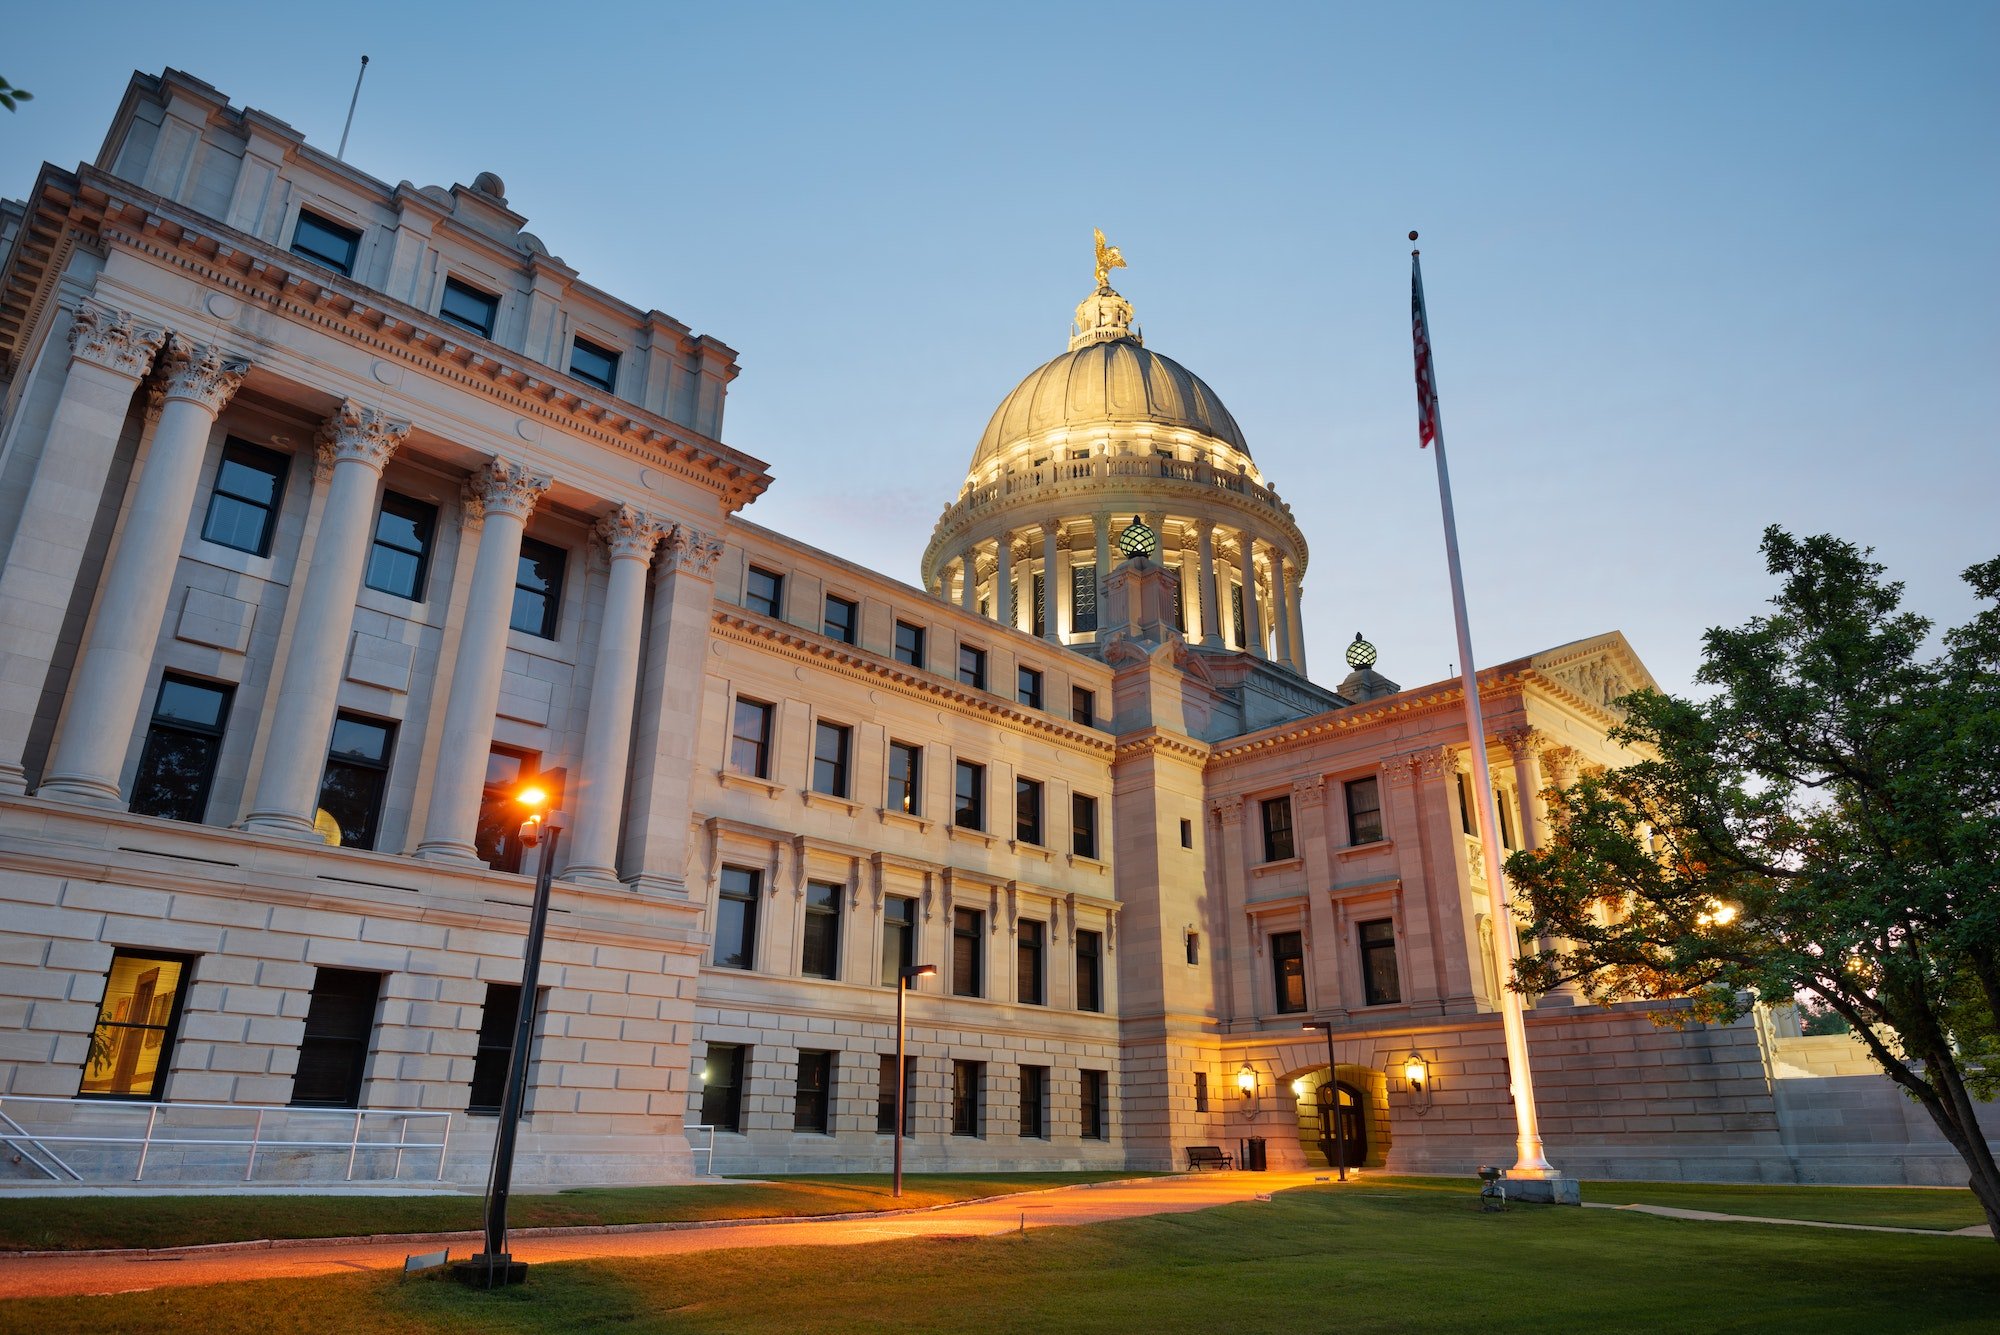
[
  {"x": 903, "y": 977},
  {"x": 1333, "y": 1089},
  {"x": 544, "y": 826}
]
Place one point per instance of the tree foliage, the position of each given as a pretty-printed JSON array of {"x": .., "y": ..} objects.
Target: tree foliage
[
  {"x": 10, "y": 95},
  {"x": 1825, "y": 824}
]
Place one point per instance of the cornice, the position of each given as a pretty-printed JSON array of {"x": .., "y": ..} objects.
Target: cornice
[
  {"x": 1156, "y": 739},
  {"x": 1420, "y": 702}
]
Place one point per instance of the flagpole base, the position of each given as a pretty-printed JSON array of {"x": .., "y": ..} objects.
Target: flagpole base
[{"x": 1557, "y": 1190}]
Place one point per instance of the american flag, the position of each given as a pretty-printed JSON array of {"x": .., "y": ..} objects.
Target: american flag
[{"x": 1427, "y": 394}]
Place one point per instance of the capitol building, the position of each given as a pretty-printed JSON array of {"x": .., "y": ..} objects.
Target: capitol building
[{"x": 332, "y": 509}]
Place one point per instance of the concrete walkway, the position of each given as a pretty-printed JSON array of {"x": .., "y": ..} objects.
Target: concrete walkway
[
  {"x": 1710, "y": 1216},
  {"x": 127, "y": 1272}
]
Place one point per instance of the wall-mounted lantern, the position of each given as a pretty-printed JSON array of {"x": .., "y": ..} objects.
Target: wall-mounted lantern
[
  {"x": 1246, "y": 1081},
  {"x": 1417, "y": 1073}
]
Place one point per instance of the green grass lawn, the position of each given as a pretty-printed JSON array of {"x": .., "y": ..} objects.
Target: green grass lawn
[
  {"x": 1377, "y": 1258},
  {"x": 50, "y": 1223},
  {"x": 1943, "y": 1209}
]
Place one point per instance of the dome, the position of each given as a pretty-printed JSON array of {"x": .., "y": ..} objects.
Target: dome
[{"x": 1109, "y": 382}]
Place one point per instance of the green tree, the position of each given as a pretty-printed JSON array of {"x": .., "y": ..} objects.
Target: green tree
[
  {"x": 10, "y": 95},
  {"x": 1825, "y": 824}
]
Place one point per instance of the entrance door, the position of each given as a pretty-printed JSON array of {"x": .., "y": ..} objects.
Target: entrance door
[{"x": 1353, "y": 1147}]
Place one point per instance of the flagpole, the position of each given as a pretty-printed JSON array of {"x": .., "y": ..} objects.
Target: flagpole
[{"x": 1531, "y": 1160}]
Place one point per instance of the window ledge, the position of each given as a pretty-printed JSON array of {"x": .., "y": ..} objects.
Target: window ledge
[
  {"x": 1027, "y": 850},
  {"x": 1362, "y": 850},
  {"x": 731, "y": 779},
  {"x": 815, "y": 798},
  {"x": 1094, "y": 864},
  {"x": 976, "y": 836},
  {"x": 1282, "y": 864},
  {"x": 891, "y": 816}
]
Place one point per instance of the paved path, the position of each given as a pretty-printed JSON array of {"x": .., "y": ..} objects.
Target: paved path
[
  {"x": 1710, "y": 1216},
  {"x": 56, "y": 1276}
]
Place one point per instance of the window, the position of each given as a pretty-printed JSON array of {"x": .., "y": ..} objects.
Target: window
[
  {"x": 970, "y": 811},
  {"x": 1028, "y": 811},
  {"x": 764, "y": 592},
  {"x": 736, "y": 918},
  {"x": 843, "y": 616},
  {"x": 1187, "y": 833},
  {"x": 972, "y": 667},
  {"x": 538, "y": 589},
  {"x": 820, "y": 955},
  {"x": 1288, "y": 971},
  {"x": 401, "y": 557},
  {"x": 809, "y": 1097},
  {"x": 133, "y": 1043},
  {"x": 1194, "y": 947},
  {"x": 1364, "y": 811},
  {"x": 357, "y": 773},
  {"x": 1083, "y": 825},
  {"x": 1096, "y": 1105},
  {"x": 906, "y": 778},
  {"x": 1083, "y": 597},
  {"x": 967, "y": 926},
  {"x": 722, "y": 1087},
  {"x": 1506, "y": 825},
  {"x": 1277, "y": 828},
  {"x": 1028, "y": 687},
  {"x": 243, "y": 508},
  {"x": 1468, "y": 818},
  {"x": 830, "y": 747},
  {"x": 1034, "y": 1102},
  {"x": 339, "y": 1020},
  {"x": 1201, "y": 1091},
  {"x": 498, "y": 834},
  {"x": 327, "y": 242},
  {"x": 1089, "y": 971},
  {"x": 1083, "y": 706},
  {"x": 899, "y": 937},
  {"x": 909, "y": 644},
  {"x": 750, "y": 739},
  {"x": 1040, "y": 617},
  {"x": 885, "y": 1099},
  {"x": 468, "y": 308},
  {"x": 1236, "y": 616},
  {"x": 593, "y": 365},
  {"x": 1379, "y": 979},
  {"x": 496, "y": 1046},
  {"x": 1029, "y": 947},
  {"x": 967, "y": 1091},
  {"x": 177, "y": 764}
]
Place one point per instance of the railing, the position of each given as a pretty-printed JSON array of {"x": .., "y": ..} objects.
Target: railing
[
  {"x": 202, "y": 1138},
  {"x": 1056, "y": 473},
  {"x": 707, "y": 1151}
]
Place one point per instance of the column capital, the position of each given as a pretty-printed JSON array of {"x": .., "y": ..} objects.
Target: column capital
[
  {"x": 1310, "y": 790},
  {"x": 689, "y": 550},
  {"x": 502, "y": 487},
  {"x": 1521, "y": 743},
  {"x": 358, "y": 432},
  {"x": 1206, "y": 528},
  {"x": 111, "y": 338},
  {"x": 199, "y": 373},
  {"x": 1438, "y": 761},
  {"x": 629, "y": 533}
]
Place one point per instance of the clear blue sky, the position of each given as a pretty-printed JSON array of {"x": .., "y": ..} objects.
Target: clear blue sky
[{"x": 1693, "y": 268}]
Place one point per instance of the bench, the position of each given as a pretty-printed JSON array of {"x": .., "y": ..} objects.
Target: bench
[{"x": 1207, "y": 1156}]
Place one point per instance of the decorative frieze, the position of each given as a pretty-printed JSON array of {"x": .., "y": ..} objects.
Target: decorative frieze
[
  {"x": 111, "y": 338},
  {"x": 358, "y": 432}
]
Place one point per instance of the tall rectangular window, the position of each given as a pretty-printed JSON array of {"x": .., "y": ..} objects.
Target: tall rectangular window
[
  {"x": 736, "y": 918},
  {"x": 1379, "y": 979},
  {"x": 831, "y": 743},
  {"x": 842, "y": 619},
  {"x": 467, "y": 307},
  {"x": 332, "y": 1055},
  {"x": 1083, "y": 706},
  {"x": 495, "y": 1046},
  {"x": 969, "y": 813},
  {"x": 497, "y": 837},
  {"x": 538, "y": 584},
  {"x": 1187, "y": 833},
  {"x": 1028, "y": 687},
  {"x": 1288, "y": 971},
  {"x": 1277, "y": 813},
  {"x": 750, "y": 738},
  {"x": 968, "y": 953},
  {"x": 399, "y": 560},
  {"x": 1096, "y": 1110},
  {"x": 593, "y": 365},
  {"x": 1028, "y": 811},
  {"x": 1201, "y": 1091},
  {"x": 906, "y": 779},
  {"x": 132, "y": 1045},
  {"x": 1468, "y": 813},
  {"x": 243, "y": 507},
  {"x": 899, "y": 937},
  {"x": 357, "y": 776},
  {"x": 326, "y": 242},
  {"x": 764, "y": 592},
  {"x": 968, "y": 1081},
  {"x": 177, "y": 764},
  {"x": 972, "y": 667},
  {"x": 1029, "y": 948},
  {"x": 722, "y": 1086},
  {"x": 1034, "y": 1102},
  {"x": 1083, "y": 825},
  {"x": 1089, "y": 971},
  {"x": 819, "y": 956},
  {"x": 1242, "y": 633},
  {"x": 812, "y": 1092},
  {"x": 909, "y": 644},
  {"x": 1364, "y": 811},
  {"x": 1083, "y": 597},
  {"x": 885, "y": 1098}
]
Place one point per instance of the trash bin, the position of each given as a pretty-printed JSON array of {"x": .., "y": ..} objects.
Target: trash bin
[{"x": 1250, "y": 1155}]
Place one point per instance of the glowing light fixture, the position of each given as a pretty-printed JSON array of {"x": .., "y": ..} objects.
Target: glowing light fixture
[{"x": 1246, "y": 1081}]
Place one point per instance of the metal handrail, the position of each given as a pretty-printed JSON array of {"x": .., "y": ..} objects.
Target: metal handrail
[
  {"x": 708, "y": 1163},
  {"x": 31, "y": 1149}
]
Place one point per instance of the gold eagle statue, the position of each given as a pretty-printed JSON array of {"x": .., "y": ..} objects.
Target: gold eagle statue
[{"x": 1108, "y": 257}]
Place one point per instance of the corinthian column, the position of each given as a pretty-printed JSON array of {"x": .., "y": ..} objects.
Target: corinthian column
[
  {"x": 1003, "y": 578},
  {"x": 1253, "y": 616},
  {"x": 1281, "y": 613},
  {"x": 354, "y": 446},
  {"x": 968, "y": 582},
  {"x": 1101, "y": 522},
  {"x": 196, "y": 381},
  {"x": 630, "y": 538},
  {"x": 1211, "y": 604},
  {"x": 1050, "y": 630},
  {"x": 499, "y": 499},
  {"x": 1292, "y": 593},
  {"x": 109, "y": 356}
]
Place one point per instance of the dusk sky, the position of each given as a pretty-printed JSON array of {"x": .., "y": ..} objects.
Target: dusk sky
[{"x": 1692, "y": 268}]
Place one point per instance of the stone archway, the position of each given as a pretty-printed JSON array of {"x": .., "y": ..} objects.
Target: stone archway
[{"x": 1365, "y": 1094}]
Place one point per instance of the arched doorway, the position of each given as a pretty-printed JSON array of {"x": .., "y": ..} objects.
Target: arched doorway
[{"x": 1348, "y": 1124}]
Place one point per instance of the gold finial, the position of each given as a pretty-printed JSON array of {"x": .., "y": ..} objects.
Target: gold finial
[{"x": 1108, "y": 258}]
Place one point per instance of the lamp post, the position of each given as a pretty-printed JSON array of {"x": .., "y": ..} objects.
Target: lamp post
[
  {"x": 1333, "y": 1088},
  {"x": 494, "y": 1267},
  {"x": 903, "y": 977}
]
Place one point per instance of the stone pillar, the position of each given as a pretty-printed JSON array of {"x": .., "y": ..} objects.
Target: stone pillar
[
  {"x": 354, "y": 446},
  {"x": 1253, "y": 616},
  {"x": 499, "y": 498},
  {"x": 630, "y": 538},
  {"x": 1101, "y": 521},
  {"x": 1062, "y": 605},
  {"x": 1292, "y": 595},
  {"x": 109, "y": 355},
  {"x": 1281, "y": 613},
  {"x": 968, "y": 587},
  {"x": 1520, "y": 744},
  {"x": 1051, "y": 629},
  {"x": 195, "y": 381},
  {"x": 1211, "y": 603},
  {"x": 1003, "y": 578},
  {"x": 1324, "y": 928}
]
